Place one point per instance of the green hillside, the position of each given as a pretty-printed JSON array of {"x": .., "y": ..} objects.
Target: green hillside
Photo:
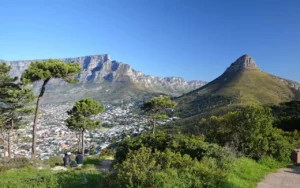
[{"x": 243, "y": 83}]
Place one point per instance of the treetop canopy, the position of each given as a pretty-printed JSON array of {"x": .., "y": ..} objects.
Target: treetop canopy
[
  {"x": 158, "y": 103},
  {"x": 86, "y": 107},
  {"x": 51, "y": 68}
]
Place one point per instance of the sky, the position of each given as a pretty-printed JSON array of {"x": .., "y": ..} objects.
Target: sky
[{"x": 192, "y": 39}]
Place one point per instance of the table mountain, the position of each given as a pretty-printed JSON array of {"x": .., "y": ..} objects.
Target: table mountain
[{"x": 101, "y": 75}]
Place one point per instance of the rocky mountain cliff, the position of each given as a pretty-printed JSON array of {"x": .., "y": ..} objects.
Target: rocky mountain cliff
[{"x": 101, "y": 70}]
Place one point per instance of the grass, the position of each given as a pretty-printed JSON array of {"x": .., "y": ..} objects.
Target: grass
[
  {"x": 31, "y": 177},
  {"x": 46, "y": 178},
  {"x": 248, "y": 173}
]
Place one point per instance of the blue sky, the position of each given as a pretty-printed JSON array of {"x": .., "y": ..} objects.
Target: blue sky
[{"x": 193, "y": 39}]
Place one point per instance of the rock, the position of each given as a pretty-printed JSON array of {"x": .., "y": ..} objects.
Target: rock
[
  {"x": 245, "y": 62},
  {"x": 100, "y": 68},
  {"x": 57, "y": 168}
]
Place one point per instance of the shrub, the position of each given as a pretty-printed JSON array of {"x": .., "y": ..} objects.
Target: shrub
[
  {"x": 54, "y": 161},
  {"x": 146, "y": 168}
]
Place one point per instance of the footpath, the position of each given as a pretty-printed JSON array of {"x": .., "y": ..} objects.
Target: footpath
[{"x": 283, "y": 178}]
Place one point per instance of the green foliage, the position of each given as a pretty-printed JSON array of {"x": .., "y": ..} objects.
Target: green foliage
[
  {"x": 146, "y": 168},
  {"x": 194, "y": 146},
  {"x": 54, "y": 161},
  {"x": 287, "y": 115},
  {"x": 16, "y": 163},
  {"x": 157, "y": 104},
  {"x": 34, "y": 178},
  {"x": 248, "y": 131},
  {"x": 51, "y": 68},
  {"x": 14, "y": 96},
  {"x": 81, "y": 112},
  {"x": 157, "y": 108},
  {"x": 247, "y": 172},
  {"x": 166, "y": 160}
]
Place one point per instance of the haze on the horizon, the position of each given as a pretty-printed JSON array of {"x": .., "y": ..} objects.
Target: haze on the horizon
[{"x": 193, "y": 39}]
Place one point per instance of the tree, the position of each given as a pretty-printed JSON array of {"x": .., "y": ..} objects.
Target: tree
[
  {"x": 287, "y": 115},
  {"x": 248, "y": 131},
  {"x": 80, "y": 116},
  {"x": 157, "y": 107},
  {"x": 45, "y": 71},
  {"x": 14, "y": 98}
]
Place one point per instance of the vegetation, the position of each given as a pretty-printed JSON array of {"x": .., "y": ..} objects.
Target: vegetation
[
  {"x": 247, "y": 172},
  {"x": 14, "y": 98},
  {"x": 34, "y": 178},
  {"x": 80, "y": 116},
  {"x": 157, "y": 108},
  {"x": 44, "y": 71},
  {"x": 235, "y": 148},
  {"x": 248, "y": 131},
  {"x": 287, "y": 115},
  {"x": 178, "y": 160},
  {"x": 233, "y": 89}
]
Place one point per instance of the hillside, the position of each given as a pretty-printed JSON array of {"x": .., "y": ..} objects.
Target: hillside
[
  {"x": 243, "y": 83},
  {"x": 103, "y": 78}
]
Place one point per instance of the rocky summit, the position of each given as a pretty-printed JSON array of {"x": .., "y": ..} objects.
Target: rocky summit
[
  {"x": 104, "y": 74},
  {"x": 245, "y": 62}
]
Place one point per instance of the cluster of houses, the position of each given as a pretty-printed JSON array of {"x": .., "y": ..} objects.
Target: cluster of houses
[{"x": 54, "y": 138}]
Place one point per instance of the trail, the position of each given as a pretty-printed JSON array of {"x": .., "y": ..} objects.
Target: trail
[
  {"x": 283, "y": 178},
  {"x": 105, "y": 166}
]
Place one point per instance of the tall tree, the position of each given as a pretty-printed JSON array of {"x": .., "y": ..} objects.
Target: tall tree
[
  {"x": 14, "y": 98},
  {"x": 80, "y": 116},
  {"x": 157, "y": 107},
  {"x": 44, "y": 71}
]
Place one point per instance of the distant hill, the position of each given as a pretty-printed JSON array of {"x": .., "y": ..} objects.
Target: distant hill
[
  {"x": 106, "y": 79},
  {"x": 243, "y": 83}
]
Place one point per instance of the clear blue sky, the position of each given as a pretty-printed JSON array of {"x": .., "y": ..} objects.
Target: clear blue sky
[{"x": 193, "y": 39}]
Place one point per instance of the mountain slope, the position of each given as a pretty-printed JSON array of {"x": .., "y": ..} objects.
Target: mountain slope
[
  {"x": 243, "y": 83},
  {"x": 108, "y": 79}
]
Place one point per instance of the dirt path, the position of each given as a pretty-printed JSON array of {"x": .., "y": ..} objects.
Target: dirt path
[
  {"x": 284, "y": 178},
  {"x": 105, "y": 165}
]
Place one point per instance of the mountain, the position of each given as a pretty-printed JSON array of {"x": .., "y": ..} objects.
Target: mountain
[
  {"x": 109, "y": 79},
  {"x": 243, "y": 83}
]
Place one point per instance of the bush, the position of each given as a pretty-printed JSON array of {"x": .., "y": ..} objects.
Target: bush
[
  {"x": 194, "y": 146},
  {"x": 249, "y": 132},
  {"x": 145, "y": 168},
  {"x": 54, "y": 161}
]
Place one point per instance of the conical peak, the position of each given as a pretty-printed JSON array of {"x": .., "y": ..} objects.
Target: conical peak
[{"x": 245, "y": 62}]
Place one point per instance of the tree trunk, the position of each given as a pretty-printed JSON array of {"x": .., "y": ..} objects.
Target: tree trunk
[
  {"x": 9, "y": 138},
  {"x": 36, "y": 117},
  {"x": 154, "y": 123},
  {"x": 79, "y": 138},
  {"x": 4, "y": 148},
  {"x": 82, "y": 139}
]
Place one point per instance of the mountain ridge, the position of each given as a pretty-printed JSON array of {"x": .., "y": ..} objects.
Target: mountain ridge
[{"x": 100, "y": 69}]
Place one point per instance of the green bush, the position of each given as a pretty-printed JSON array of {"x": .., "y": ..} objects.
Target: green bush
[
  {"x": 145, "y": 168},
  {"x": 194, "y": 146},
  {"x": 54, "y": 161},
  {"x": 250, "y": 132}
]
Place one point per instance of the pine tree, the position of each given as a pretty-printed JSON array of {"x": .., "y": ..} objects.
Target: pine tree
[
  {"x": 156, "y": 109},
  {"x": 80, "y": 115},
  {"x": 45, "y": 71}
]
